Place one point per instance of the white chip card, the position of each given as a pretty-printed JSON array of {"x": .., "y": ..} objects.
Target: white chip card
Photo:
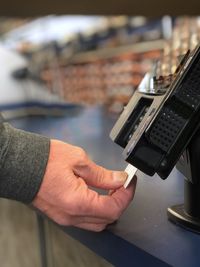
[{"x": 131, "y": 171}]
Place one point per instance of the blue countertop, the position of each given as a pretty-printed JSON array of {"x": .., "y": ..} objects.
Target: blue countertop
[{"x": 143, "y": 236}]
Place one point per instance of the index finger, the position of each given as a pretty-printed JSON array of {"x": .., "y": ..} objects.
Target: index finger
[{"x": 109, "y": 206}]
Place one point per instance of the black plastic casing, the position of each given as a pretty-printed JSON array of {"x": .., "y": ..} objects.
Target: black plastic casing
[
  {"x": 161, "y": 146},
  {"x": 178, "y": 118}
]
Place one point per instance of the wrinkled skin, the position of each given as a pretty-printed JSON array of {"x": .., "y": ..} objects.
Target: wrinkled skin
[{"x": 65, "y": 197}]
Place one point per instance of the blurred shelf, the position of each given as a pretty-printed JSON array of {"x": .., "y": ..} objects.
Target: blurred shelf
[{"x": 105, "y": 53}]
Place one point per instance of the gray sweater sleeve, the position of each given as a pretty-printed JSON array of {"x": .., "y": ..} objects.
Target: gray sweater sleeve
[{"x": 23, "y": 160}]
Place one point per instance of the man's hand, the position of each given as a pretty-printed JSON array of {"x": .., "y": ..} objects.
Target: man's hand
[{"x": 64, "y": 194}]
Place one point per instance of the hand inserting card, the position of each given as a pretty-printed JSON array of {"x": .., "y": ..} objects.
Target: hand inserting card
[{"x": 131, "y": 171}]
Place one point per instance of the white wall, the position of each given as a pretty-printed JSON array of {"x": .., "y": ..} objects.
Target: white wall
[{"x": 13, "y": 91}]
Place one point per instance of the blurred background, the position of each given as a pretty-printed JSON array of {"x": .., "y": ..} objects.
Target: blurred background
[
  {"x": 55, "y": 67},
  {"x": 55, "y": 62}
]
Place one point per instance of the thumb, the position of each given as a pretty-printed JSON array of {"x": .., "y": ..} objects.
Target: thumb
[{"x": 97, "y": 176}]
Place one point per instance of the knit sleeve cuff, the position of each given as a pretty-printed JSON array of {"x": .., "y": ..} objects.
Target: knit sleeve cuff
[{"x": 23, "y": 160}]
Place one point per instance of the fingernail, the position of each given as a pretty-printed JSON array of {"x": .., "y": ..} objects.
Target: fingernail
[{"x": 119, "y": 177}]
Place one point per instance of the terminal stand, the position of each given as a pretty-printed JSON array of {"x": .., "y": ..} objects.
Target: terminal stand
[{"x": 187, "y": 214}]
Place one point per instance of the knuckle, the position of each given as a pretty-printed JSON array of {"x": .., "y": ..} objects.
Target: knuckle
[
  {"x": 69, "y": 205},
  {"x": 99, "y": 228},
  {"x": 76, "y": 208},
  {"x": 73, "y": 210},
  {"x": 81, "y": 154},
  {"x": 61, "y": 220},
  {"x": 100, "y": 175}
]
